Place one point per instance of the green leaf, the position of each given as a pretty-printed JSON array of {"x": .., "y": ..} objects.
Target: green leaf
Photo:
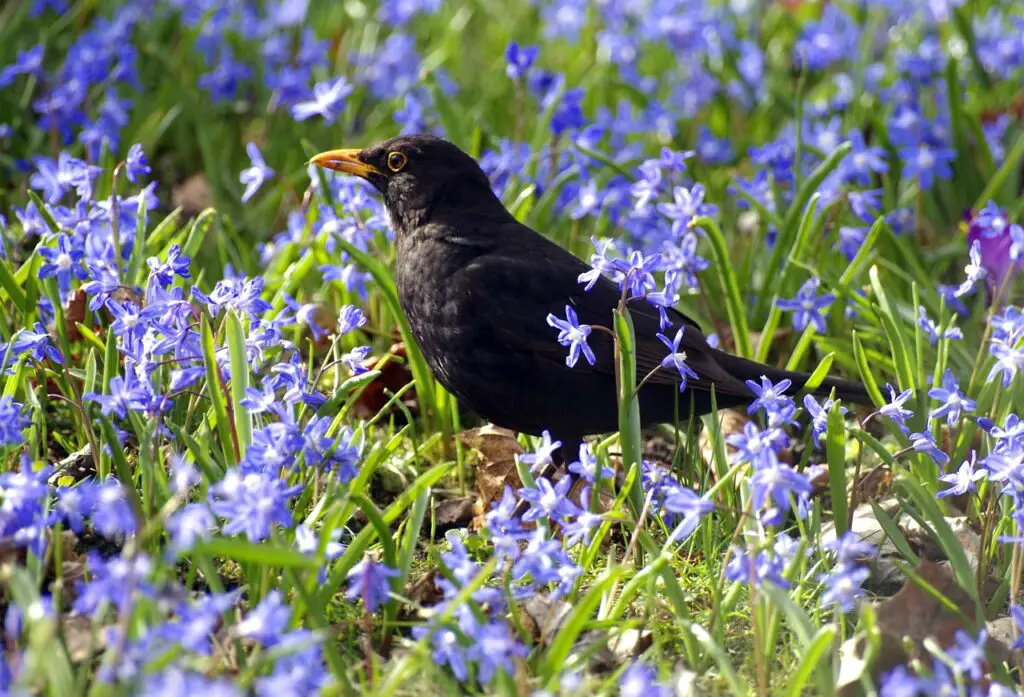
[
  {"x": 733, "y": 301},
  {"x": 262, "y": 554},
  {"x": 575, "y": 622},
  {"x": 836, "y": 449},
  {"x": 239, "y": 381},
  {"x": 630, "y": 436},
  {"x": 927, "y": 506},
  {"x": 812, "y": 656},
  {"x": 216, "y": 393}
]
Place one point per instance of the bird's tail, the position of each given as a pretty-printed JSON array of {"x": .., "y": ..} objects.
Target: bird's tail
[{"x": 846, "y": 390}]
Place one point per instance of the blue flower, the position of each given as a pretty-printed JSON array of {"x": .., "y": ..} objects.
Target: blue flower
[
  {"x": 931, "y": 329},
  {"x": 574, "y": 335},
  {"x": 251, "y": 503},
  {"x": 690, "y": 505},
  {"x": 544, "y": 455},
  {"x": 843, "y": 587},
  {"x": 176, "y": 265},
  {"x": 688, "y": 204},
  {"x": 589, "y": 203},
  {"x": 493, "y": 649},
  {"x": 136, "y": 165},
  {"x": 370, "y": 581},
  {"x": 37, "y": 343},
  {"x": 327, "y": 102},
  {"x": 962, "y": 481},
  {"x": 894, "y": 409},
  {"x": 587, "y": 466},
  {"x": 13, "y": 422},
  {"x": 759, "y": 448},
  {"x": 769, "y": 397},
  {"x": 640, "y": 680},
  {"x": 548, "y": 501},
  {"x": 519, "y": 59},
  {"x": 926, "y": 162},
  {"x": 954, "y": 403},
  {"x": 676, "y": 359},
  {"x": 191, "y": 524},
  {"x": 808, "y": 306},
  {"x": 925, "y": 443},
  {"x": 253, "y": 177},
  {"x": 267, "y": 622}
]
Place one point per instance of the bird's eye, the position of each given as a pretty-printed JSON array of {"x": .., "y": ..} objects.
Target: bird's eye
[{"x": 396, "y": 161}]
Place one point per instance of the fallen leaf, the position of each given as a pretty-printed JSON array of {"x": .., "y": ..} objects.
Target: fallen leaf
[
  {"x": 496, "y": 466},
  {"x": 546, "y": 616},
  {"x": 74, "y": 314},
  {"x": 451, "y": 514},
  {"x": 193, "y": 195},
  {"x": 394, "y": 375},
  {"x": 910, "y": 617}
]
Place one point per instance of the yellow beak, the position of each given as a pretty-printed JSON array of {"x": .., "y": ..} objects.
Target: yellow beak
[{"x": 345, "y": 161}]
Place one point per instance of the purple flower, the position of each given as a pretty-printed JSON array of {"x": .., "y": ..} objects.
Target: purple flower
[
  {"x": 176, "y": 265},
  {"x": 36, "y": 343},
  {"x": 954, "y": 403},
  {"x": 587, "y": 466},
  {"x": 253, "y": 177},
  {"x": 328, "y": 100},
  {"x": 759, "y": 448},
  {"x": 819, "y": 416},
  {"x": 589, "y": 202},
  {"x": 574, "y": 335},
  {"x": 350, "y": 318},
  {"x": 807, "y": 306},
  {"x": 1009, "y": 362},
  {"x": 370, "y": 581},
  {"x": 969, "y": 653},
  {"x": 676, "y": 359},
  {"x": 690, "y": 505},
  {"x": 778, "y": 482},
  {"x": 115, "y": 580},
  {"x": 975, "y": 270}
]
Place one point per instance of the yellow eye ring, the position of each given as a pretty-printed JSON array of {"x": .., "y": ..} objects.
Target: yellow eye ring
[{"x": 396, "y": 161}]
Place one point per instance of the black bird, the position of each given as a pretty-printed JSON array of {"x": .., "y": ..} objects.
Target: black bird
[{"x": 477, "y": 286}]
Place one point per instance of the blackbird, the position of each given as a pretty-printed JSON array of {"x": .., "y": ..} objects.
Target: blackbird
[{"x": 477, "y": 287}]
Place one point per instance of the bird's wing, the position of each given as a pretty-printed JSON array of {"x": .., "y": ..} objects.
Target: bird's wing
[{"x": 543, "y": 279}]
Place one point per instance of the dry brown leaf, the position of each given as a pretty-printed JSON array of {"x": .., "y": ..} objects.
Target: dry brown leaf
[
  {"x": 193, "y": 195},
  {"x": 394, "y": 375},
  {"x": 496, "y": 467},
  {"x": 913, "y": 615}
]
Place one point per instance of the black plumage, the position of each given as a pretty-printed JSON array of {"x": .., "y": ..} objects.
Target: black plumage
[{"x": 477, "y": 286}]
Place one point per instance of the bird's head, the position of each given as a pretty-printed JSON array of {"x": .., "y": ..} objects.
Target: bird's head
[{"x": 421, "y": 177}]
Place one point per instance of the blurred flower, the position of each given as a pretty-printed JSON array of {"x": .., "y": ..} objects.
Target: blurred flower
[
  {"x": 370, "y": 581},
  {"x": 253, "y": 177},
  {"x": 136, "y": 165},
  {"x": 328, "y": 100},
  {"x": 519, "y": 60}
]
